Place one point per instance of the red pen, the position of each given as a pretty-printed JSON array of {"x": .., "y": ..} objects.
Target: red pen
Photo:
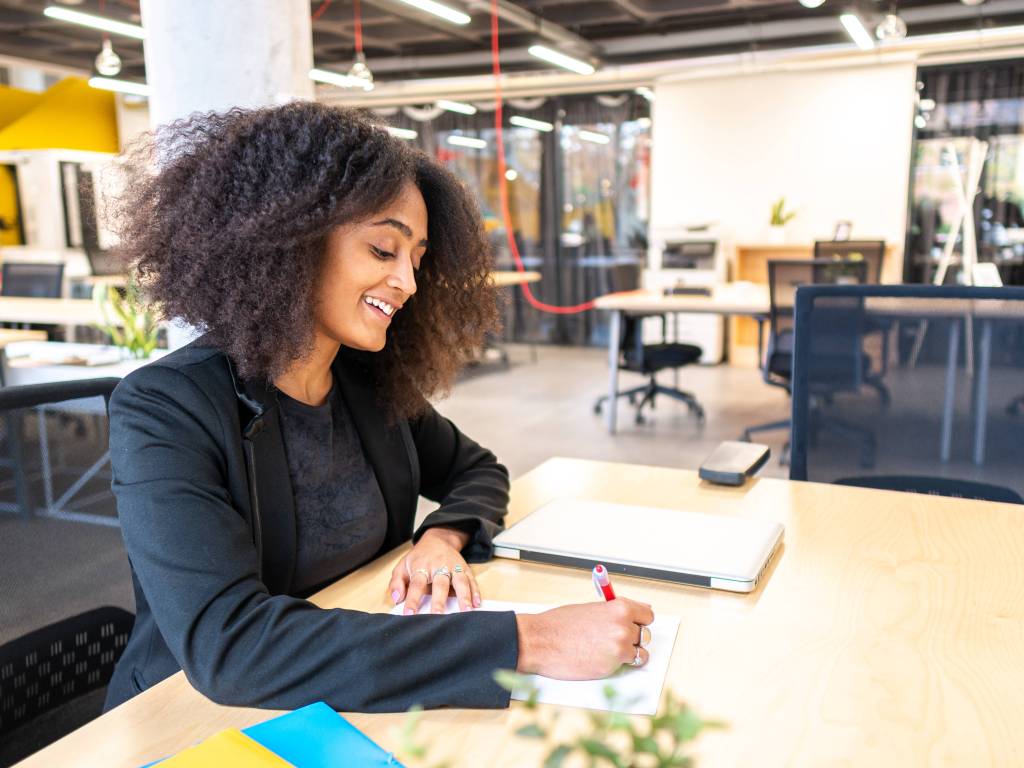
[{"x": 603, "y": 582}]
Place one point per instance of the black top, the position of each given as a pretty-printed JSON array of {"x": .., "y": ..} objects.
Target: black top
[
  {"x": 207, "y": 512},
  {"x": 340, "y": 519}
]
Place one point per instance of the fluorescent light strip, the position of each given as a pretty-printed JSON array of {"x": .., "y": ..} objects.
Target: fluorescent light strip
[
  {"x": 560, "y": 59},
  {"x": 646, "y": 92},
  {"x": 95, "y": 22},
  {"x": 466, "y": 141},
  {"x": 119, "y": 86},
  {"x": 446, "y": 13},
  {"x": 336, "y": 78},
  {"x": 529, "y": 122},
  {"x": 456, "y": 106},
  {"x": 596, "y": 138},
  {"x": 401, "y": 133},
  {"x": 855, "y": 28}
]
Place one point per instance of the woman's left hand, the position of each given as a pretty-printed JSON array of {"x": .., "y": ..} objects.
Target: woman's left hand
[{"x": 417, "y": 574}]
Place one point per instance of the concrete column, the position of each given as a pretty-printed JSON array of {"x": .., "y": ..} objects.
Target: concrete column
[
  {"x": 28, "y": 79},
  {"x": 209, "y": 56}
]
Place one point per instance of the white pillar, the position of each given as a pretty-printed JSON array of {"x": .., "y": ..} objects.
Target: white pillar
[
  {"x": 28, "y": 78},
  {"x": 209, "y": 56}
]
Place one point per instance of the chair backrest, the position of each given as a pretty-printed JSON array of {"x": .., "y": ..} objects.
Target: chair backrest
[
  {"x": 40, "y": 281},
  {"x": 786, "y": 275},
  {"x": 940, "y": 417},
  {"x": 869, "y": 251}
]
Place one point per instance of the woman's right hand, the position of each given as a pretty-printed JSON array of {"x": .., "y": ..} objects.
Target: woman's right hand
[{"x": 582, "y": 642}]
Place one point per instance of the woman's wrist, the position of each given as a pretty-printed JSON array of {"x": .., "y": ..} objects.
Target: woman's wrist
[
  {"x": 455, "y": 538},
  {"x": 527, "y": 635}
]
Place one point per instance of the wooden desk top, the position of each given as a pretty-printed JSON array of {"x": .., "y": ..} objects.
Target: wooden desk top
[
  {"x": 725, "y": 299},
  {"x": 887, "y": 633},
  {"x": 506, "y": 277},
  {"x": 17, "y": 309},
  {"x": 11, "y": 335}
]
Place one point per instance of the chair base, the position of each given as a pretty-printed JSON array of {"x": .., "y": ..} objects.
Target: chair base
[{"x": 647, "y": 393}]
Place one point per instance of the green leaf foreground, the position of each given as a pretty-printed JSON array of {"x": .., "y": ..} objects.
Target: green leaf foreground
[{"x": 138, "y": 328}]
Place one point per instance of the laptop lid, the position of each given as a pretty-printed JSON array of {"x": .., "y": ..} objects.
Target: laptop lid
[{"x": 718, "y": 551}]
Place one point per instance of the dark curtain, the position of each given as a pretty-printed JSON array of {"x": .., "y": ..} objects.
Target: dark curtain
[
  {"x": 579, "y": 248},
  {"x": 982, "y": 100}
]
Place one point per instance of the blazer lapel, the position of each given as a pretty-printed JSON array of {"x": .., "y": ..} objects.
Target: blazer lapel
[
  {"x": 271, "y": 499},
  {"x": 388, "y": 447}
]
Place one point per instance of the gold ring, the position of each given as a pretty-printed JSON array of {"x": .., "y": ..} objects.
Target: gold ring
[
  {"x": 641, "y": 643},
  {"x": 425, "y": 572}
]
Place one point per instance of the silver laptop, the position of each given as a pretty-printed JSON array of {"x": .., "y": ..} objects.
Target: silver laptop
[{"x": 717, "y": 551}]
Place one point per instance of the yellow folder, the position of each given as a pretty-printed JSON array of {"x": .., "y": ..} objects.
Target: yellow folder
[{"x": 227, "y": 748}]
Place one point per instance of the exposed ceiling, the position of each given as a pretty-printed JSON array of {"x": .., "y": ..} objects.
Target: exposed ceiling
[{"x": 404, "y": 43}]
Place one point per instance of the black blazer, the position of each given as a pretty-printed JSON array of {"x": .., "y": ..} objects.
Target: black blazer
[{"x": 206, "y": 508}]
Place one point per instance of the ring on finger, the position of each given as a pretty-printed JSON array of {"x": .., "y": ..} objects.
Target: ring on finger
[
  {"x": 458, "y": 569},
  {"x": 641, "y": 642},
  {"x": 637, "y": 661},
  {"x": 425, "y": 572},
  {"x": 443, "y": 571}
]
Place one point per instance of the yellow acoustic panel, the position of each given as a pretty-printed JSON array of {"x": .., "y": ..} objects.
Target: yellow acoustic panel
[
  {"x": 70, "y": 115},
  {"x": 15, "y": 102}
]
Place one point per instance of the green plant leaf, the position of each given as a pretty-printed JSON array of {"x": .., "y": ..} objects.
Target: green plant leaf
[
  {"x": 532, "y": 731},
  {"x": 557, "y": 756},
  {"x": 599, "y": 749},
  {"x": 513, "y": 681},
  {"x": 645, "y": 745},
  {"x": 687, "y": 725}
]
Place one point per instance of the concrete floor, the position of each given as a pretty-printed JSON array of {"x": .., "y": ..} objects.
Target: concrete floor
[{"x": 525, "y": 413}]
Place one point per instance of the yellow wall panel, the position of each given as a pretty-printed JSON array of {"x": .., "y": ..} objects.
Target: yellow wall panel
[
  {"x": 15, "y": 102},
  {"x": 70, "y": 115}
]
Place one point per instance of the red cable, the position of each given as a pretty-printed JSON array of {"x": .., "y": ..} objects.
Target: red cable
[
  {"x": 503, "y": 185},
  {"x": 358, "y": 25},
  {"x": 320, "y": 11}
]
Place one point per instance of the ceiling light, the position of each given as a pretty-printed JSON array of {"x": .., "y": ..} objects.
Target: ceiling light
[
  {"x": 120, "y": 86},
  {"x": 402, "y": 133},
  {"x": 855, "y": 28},
  {"x": 337, "y": 78},
  {"x": 361, "y": 72},
  {"x": 927, "y": 105},
  {"x": 466, "y": 141},
  {"x": 108, "y": 63},
  {"x": 456, "y": 106},
  {"x": 95, "y": 22},
  {"x": 446, "y": 13},
  {"x": 919, "y": 121},
  {"x": 891, "y": 29},
  {"x": 529, "y": 122},
  {"x": 592, "y": 136},
  {"x": 646, "y": 92},
  {"x": 812, "y": 3},
  {"x": 561, "y": 60},
  {"x": 511, "y": 174}
]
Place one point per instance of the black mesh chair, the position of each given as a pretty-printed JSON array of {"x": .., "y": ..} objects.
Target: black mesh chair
[
  {"x": 784, "y": 277},
  {"x": 53, "y": 680},
  {"x": 38, "y": 281},
  {"x": 649, "y": 360},
  {"x": 945, "y": 430}
]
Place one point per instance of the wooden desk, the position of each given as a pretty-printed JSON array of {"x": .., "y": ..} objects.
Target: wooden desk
[
  {"x": 736, "y": 299},
  {"x": 887, "y": 633},
  {"x": 16, "y": 309},
  {"x": 503, "y": 278}
]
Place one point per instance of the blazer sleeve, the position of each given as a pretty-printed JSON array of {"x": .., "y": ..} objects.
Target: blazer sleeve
[
  {"x": 465, "y": 478},
  {"x": 193, "y": 554}
]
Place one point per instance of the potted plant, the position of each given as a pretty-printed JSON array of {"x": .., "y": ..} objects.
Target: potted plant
[
  {"x": 780, "y": 218},
  {"x": 135, "y": 328}
]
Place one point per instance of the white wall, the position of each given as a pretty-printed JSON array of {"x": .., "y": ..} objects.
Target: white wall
[{"x": 835, "y": 143}]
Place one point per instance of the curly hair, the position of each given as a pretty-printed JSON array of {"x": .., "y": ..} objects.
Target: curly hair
[{"x": 230, "y": 234}]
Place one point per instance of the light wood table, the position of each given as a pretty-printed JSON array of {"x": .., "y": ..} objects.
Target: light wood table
[
  {"x": 737, "y": 299},
  {"x": 888, "y": 632},
  {"x": 502, "y": 278},
  {"x": 16, "y": 309}
]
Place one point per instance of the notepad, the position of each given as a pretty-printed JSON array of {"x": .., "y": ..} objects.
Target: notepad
[
  {"x": 226, "y": 748},
  {"x": 638, "y": 690}
]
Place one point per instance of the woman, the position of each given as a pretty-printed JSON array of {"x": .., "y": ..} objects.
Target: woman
[{"x": 338, "y": 276}]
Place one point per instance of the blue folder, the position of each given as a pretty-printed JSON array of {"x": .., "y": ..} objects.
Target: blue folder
[{"x": 318, "y": 737}]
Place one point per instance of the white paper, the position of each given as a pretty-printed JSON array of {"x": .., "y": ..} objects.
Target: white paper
[{"x": 638, "y": 690}]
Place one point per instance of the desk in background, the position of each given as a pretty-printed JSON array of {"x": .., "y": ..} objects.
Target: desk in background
[
  {"x": 887, "y": 633},
  {"x": 736, "y": 299}
]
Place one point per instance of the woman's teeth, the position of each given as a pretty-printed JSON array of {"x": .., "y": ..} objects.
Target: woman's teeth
[{"x": 383, "y": 306}]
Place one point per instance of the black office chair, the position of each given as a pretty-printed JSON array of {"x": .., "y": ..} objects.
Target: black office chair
[
  {"x": 38, "y": 281},
  {"x": 945, "y": 431},
  {"x": 784, "y": 277},
  {"x": 649, "y": 360}
]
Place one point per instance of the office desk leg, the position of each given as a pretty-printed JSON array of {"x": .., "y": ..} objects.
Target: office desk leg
[
  {"x": 981, "y": 392},
  {"x": 614, "y": 329},
  {"x": 945, "y": 449}
]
